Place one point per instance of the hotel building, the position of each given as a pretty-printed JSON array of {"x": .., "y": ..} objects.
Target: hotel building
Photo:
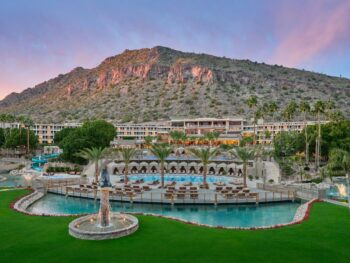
[{"x": 231, "y": 129}]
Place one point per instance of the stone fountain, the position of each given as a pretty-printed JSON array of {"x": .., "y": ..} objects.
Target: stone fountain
[{"x": 105, "y": 224}]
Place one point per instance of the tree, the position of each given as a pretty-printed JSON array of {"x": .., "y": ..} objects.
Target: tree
[
  {"x": 299, "y": 161},
  {"x": 212, "y": 137},
  {"x": 252, "y": 102},
  {"x": 161, "y": 152},
  {"x": 305, "y": 109},
  {"x": 2, "y": 137},
  {"x": 319, "y": 108},
  {"x": 14, "y": 138},
  {"x": 60, "y": 135},
  {"x": 27, "y": 122},
  {"x": 205, "y": 155},
  {"x": 94, "y": 155},
  {"x": 244, "y": 155},
  {"x": 127, "y": 154},
  {"x": 7, "y": 117},
  {"x": 176, "y": 136},
  {"x": 96, "y": 134},
  {"x": 148, "y": 141},
  {"x": 272, "y": 109},
  {"x": 287, "y": 144},
  {"x": 333, "y": 135},
  {"x": 290, "y": 111}
]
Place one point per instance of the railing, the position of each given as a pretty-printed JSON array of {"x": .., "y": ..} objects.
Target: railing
[
  {"x": 177, "y": 198},
  {"x": 298, "y": 191}
]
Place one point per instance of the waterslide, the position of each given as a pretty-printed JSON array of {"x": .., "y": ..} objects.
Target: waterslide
[{"x": 40, "y": 160}]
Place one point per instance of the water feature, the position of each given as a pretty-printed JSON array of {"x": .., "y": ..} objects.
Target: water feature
[
  {"x": 104, "y": 225},
  {"x": 339, "y": 190}
]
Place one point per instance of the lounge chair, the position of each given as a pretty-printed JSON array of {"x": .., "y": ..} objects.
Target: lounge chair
[
  {"x": 245, "y": 190},
  {"x": 218, "y": 188},
  {"x": 241, "y": 195},
  {"x": 146, "y": 188},
  {"x": 168, "y": 196},
  {"x": 194, "y": 196},
  {"x": 180, "y": 196}
]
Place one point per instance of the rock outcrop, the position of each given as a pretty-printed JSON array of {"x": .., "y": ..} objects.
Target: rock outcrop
[{"x": 158, "y": 83}]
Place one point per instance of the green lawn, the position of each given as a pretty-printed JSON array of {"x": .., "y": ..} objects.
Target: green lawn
[{"x": 325, "y": 237}]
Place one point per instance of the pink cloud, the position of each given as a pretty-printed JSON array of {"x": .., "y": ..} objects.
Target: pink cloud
[{"x": 313, "y": 35}]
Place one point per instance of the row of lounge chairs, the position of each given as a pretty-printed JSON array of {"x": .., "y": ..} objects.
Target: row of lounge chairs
[{"x": 238, "y": 195}]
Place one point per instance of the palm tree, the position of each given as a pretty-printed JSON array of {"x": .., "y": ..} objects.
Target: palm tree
[
  {"x": 94, "y": 155},
  {"x": 244, "y": 155},
  {"x": 212, "y": 137},
  {"x": 27, "y": 122},
  {"x": 290, "y": 110},
  {"x": 339, "y": 158},
  {"x": 257, "y": 115},
  {"x": 205, "y": 155},
  {"x": 319, "y": 108},
  {"x": 161, "y": 151},
  {"x": 126, "y": 154},
  {"x": 148, "y": 141},
  {"x": 252, "y": 102},
  {"x": 272, "y": 108},
  {"x": 305, "y": 109}
]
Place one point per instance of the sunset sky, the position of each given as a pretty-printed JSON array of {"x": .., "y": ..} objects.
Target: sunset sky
[{"x": 40, "y": 39}]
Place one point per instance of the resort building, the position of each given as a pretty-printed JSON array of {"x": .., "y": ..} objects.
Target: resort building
[{"x": 231, "y": 130}]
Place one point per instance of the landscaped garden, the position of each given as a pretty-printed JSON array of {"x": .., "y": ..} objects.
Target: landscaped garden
[{"x": 324, "y": 237}]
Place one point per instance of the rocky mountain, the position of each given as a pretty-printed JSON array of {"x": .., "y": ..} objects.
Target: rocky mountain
[{"x": 159, "y": 83}]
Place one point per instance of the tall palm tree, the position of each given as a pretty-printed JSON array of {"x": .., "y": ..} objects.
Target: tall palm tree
[
  {"x": 27, "y": 122},
  {"x": 244, "y": 155},
  {"x": 126, "y": 154},
  {"x": 339, "y": 158},
  {"x": 272, "y": 108},
  {"x": 290, "y": 111},
  {"x": 205, "y": 155},
  {"x": 161, "y": 151},
  {"x": 305, "y": 109},
  {"x": 258, "y": 114},
  {"x": 319, "y": 108},
  {"x": 252, "y": 102},
  {"x": 94, "y": 155}
]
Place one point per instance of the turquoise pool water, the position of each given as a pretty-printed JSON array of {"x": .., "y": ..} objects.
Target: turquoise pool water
[
  {"x": 225, "y": 215},
  {"x": 11, "y": 180},
  {"x": 186, "y": 178}
]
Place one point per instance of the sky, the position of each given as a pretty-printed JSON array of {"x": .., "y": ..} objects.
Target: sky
[{"x": 40, "y": 39}]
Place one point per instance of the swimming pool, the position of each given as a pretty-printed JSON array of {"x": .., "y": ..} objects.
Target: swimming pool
[
  {"x": 186, "y": 178},
  {"x": 224, "y": 215},
  {"x": 11, "y": 180}
]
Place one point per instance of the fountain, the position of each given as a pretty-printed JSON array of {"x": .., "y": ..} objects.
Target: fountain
[{"x": 105, "y": 224}]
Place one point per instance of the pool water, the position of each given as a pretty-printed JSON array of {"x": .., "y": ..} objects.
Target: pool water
[
  {"x": 12, "y": 180},
  {"x": 222, "y": 215},
  {"x": 178, "y": 178}
]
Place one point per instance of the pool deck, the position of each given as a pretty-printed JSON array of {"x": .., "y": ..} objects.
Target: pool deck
[{"x": 158, "y": 196}]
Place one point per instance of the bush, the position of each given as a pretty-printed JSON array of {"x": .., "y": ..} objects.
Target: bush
[{"x": 316, "y": 180}]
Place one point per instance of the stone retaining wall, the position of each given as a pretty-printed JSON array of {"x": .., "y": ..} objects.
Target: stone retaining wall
[{"x": 22, "y": 204}]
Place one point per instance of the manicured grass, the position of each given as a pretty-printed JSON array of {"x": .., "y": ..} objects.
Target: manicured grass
[{"x": 325, "y": 237}]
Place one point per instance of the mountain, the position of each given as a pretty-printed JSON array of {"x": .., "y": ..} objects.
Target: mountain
[{"x": 158, "y": 83}]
